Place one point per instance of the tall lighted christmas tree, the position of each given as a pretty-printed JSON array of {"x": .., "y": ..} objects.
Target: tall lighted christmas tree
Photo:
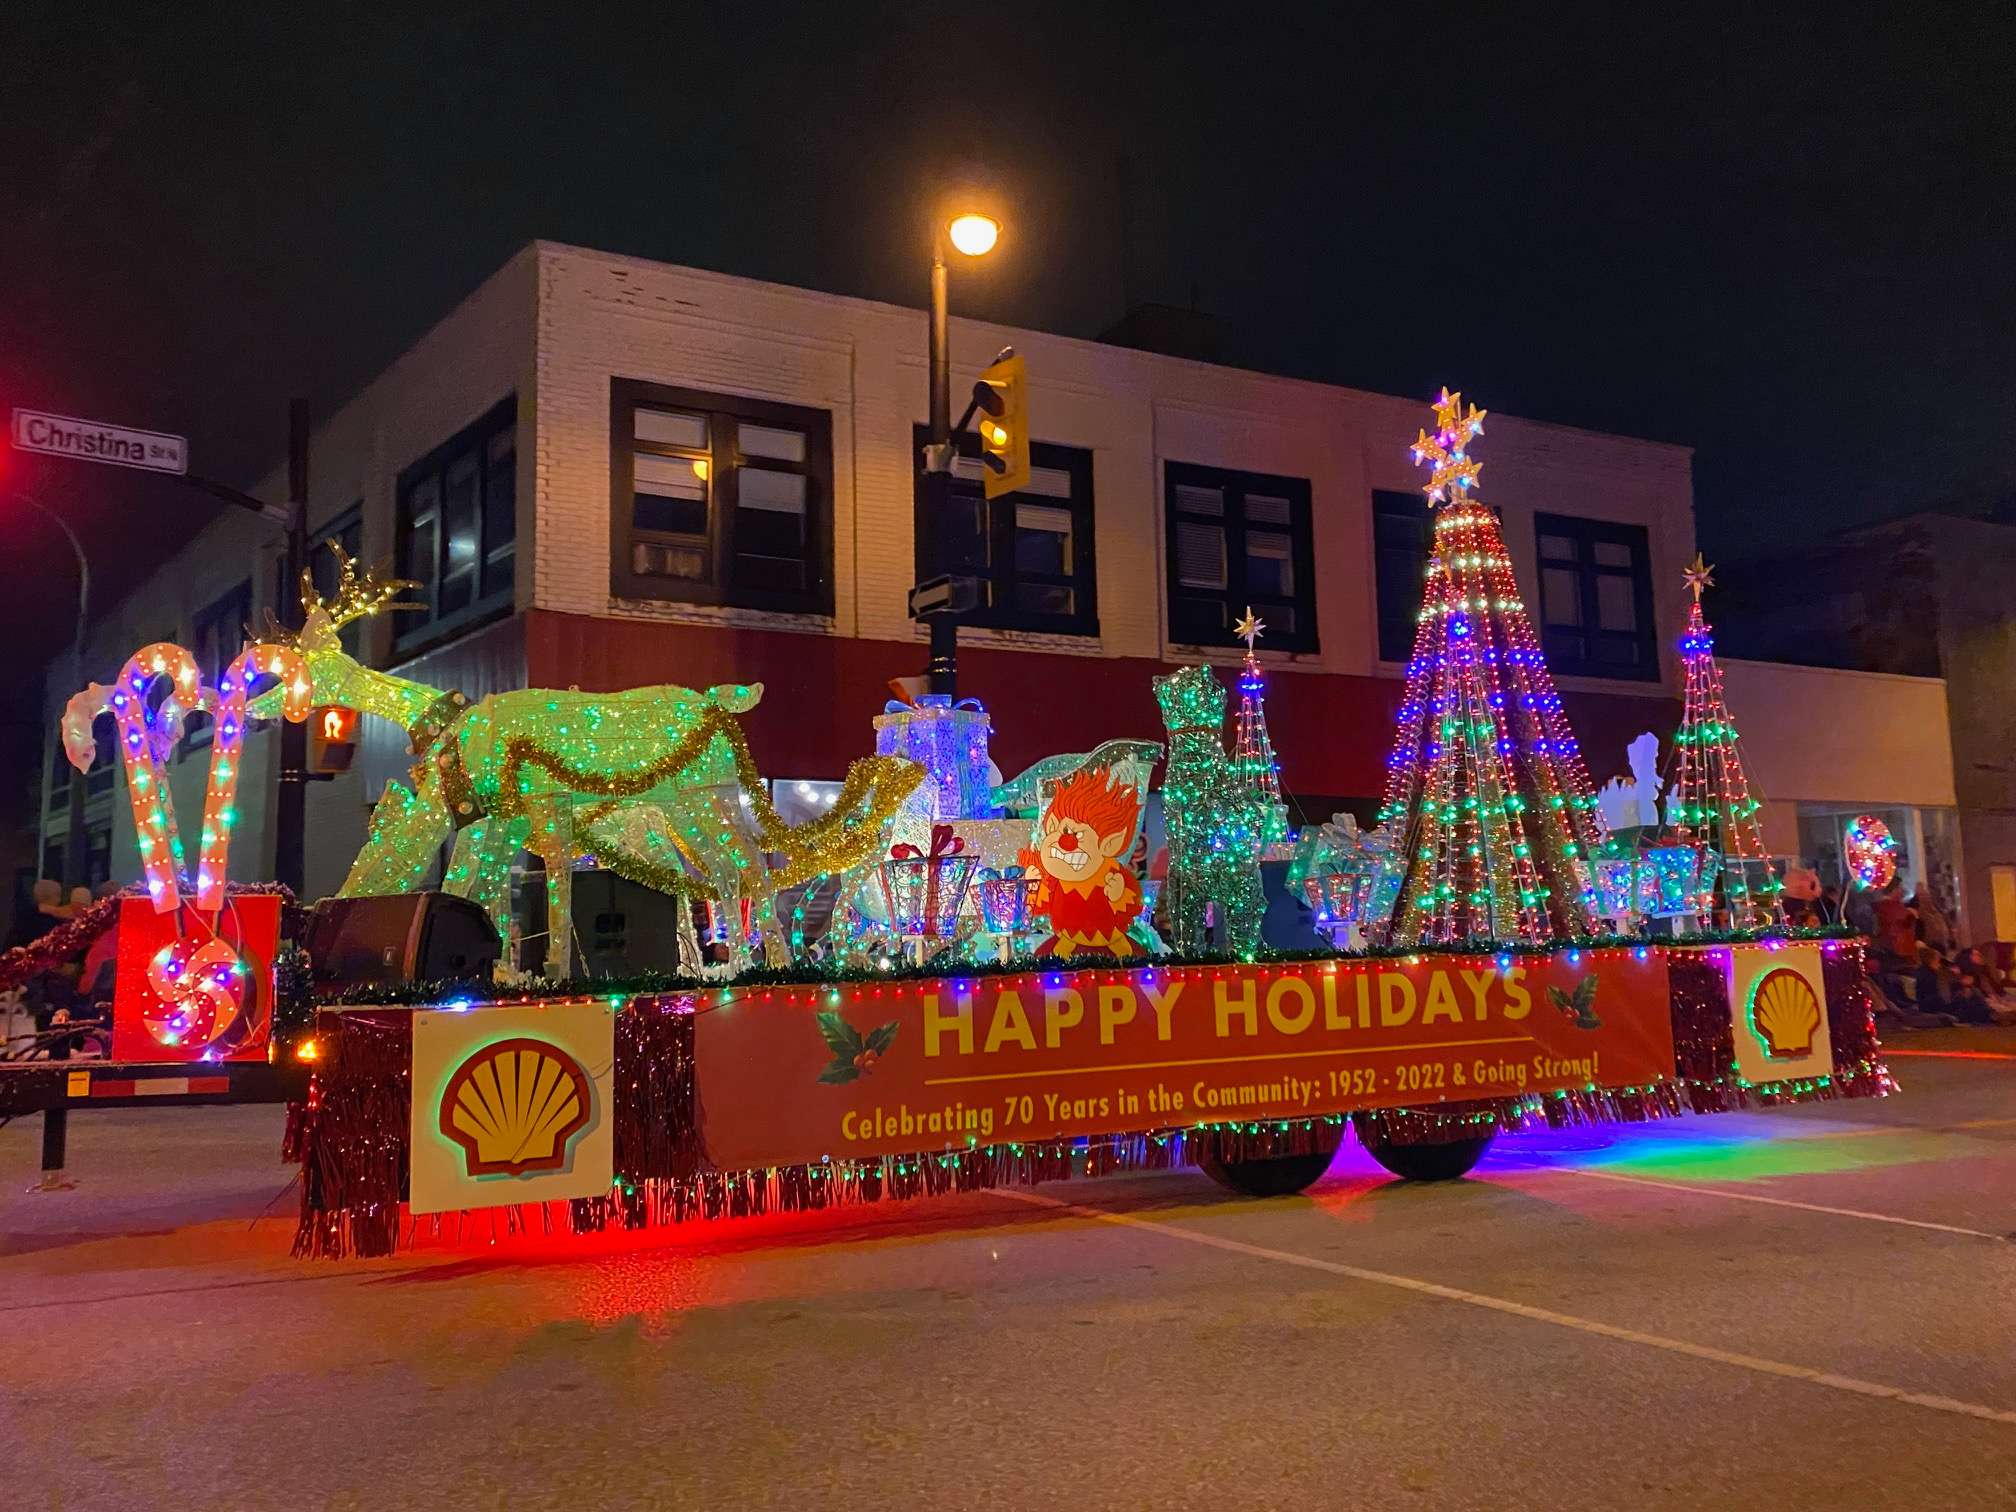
[
  {"x": 1711, "y": 806},
  {"x": 1253, "y": 750},
  {"x": 1494, "y": 817}
]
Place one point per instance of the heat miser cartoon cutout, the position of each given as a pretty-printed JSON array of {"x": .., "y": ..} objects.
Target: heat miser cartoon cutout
[{"x": 1086, "y": 893}]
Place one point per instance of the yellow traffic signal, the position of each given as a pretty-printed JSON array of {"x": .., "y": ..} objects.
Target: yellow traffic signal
[{"x": 1002, "y": 395}]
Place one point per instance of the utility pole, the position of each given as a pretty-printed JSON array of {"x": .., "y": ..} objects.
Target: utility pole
[{"x": 290, "y": 819}]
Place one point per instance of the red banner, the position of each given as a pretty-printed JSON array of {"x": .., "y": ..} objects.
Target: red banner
[{"x": 788, "y": 1075}]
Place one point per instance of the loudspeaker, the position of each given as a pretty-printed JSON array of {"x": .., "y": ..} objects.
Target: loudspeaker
[{"x": 404, "y": 937}]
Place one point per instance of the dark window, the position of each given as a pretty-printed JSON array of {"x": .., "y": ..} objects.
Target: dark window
[
  {"x": 1031, "y": 550},
  {"x": 60, "y": 772},
  {"x": 1402, "y": 529},
  {"x": 1596, "y": 598},
  {"x": 217, "y": 636},
  {"x": 719, "y": 500},
  {"x": 458, "y": 527},
  {"x": 1239, "y": 538},
  {"x": 347, "y": 532}
]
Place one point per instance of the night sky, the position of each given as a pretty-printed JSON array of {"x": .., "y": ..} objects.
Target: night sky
[{"x": 1782, "y": 239}]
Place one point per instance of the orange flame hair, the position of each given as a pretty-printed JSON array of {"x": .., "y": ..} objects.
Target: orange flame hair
[{"x": 1089, "y": 796}]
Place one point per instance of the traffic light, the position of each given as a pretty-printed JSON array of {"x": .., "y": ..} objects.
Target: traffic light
[
  {"x": 1002, "y": 395},
  {"x": 332, "y": 738}
]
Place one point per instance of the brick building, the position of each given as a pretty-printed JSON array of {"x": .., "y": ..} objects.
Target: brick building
[{"x": 607, "y": 471}]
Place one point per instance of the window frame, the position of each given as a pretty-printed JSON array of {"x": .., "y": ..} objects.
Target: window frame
[
  {"x": 725, "y": 414},
  {"x": 1588, "y": 533},
  {"x": 197, "y": 737},
  {"x": 352, "y": 634},
  {"x": 1301, "y": 531},
  {"x": 476, "y": 438},
  {"x": 1083, "y": 580},
  {"x": 1384, "y": 502}
]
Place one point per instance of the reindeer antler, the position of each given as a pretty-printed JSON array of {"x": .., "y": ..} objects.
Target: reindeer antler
[{"x": 354, "y": 598}]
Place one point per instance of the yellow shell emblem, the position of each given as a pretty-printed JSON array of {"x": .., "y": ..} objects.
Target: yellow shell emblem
[
  {"x": 514, "y": 1106},
  {"x": 1786, "y": 1011}
]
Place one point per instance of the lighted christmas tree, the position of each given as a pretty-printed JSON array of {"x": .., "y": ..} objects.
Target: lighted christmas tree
[
  {"x": 1253, "y": 751},
  {"x": 1711, "y": 806},
  {"x": 1493, "y": 813}
]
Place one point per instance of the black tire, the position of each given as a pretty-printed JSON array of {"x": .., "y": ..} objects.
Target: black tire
[
  {"x": 1274, "y": 1175},
  {"x": 1431, "y": 1162}
]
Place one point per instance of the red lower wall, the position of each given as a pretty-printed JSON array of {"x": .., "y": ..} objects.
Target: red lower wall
[{"x": 1331, "y": 732}]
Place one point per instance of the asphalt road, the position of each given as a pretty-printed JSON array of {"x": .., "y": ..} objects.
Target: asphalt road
[{"x": 1806, "y": 1308}]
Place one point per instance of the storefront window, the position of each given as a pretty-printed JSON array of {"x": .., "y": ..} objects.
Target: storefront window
[{"x": 1927, "y": 847}]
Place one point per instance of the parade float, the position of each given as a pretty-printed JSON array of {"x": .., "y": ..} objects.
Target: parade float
[{"x": 949, "y": 980}]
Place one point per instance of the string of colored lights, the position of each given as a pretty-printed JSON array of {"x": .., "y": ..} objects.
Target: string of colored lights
[
  {"x": 1712, "y": 807},
  {"x": 141, "y": 724},
  {"x": 1215, "y": 822},
  {"x": 1485, "y": 782},
  {"x": 227, "y": 710},
  {"x": 1253, "y": 748}
]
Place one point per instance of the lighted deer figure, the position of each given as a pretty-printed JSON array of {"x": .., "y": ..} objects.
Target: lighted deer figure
[{"x": 650, "y": 782}]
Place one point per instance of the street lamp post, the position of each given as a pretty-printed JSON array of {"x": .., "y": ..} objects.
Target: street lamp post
[{"x": 973, "y": 235}]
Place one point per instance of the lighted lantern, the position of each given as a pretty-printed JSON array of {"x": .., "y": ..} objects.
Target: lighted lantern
[
  {"x": 1004, "y": 899},
  {"x": 1617, "y": 891},
  {"x": 1346, "y": 878},
  {"x": 1671, "y": 880},
  {"x": 924, "y": 890}
]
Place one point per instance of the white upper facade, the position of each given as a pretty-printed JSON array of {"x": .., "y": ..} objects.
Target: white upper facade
[{"x": 559, "y": 330}]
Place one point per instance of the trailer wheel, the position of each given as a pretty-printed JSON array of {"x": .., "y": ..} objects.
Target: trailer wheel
[
  {"x": 1430, "y": 1162},
  {"x": 1274, "y": 1175}
]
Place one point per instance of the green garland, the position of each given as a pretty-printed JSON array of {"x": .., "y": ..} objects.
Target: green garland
[{"x": 650, "y": 984}]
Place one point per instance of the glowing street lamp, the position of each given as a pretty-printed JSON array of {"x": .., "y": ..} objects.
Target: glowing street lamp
[{"x": 974, "y": 234}]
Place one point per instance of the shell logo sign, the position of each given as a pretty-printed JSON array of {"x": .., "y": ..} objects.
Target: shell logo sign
[
  {"x": 1778, "y": 999},
  {"x": 515, "y": 1106},
  {"x": 511, "y": 1104},
  {"x": 1786, "y": 1014}
]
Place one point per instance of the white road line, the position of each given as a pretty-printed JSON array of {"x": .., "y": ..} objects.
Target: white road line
[
  {"x": 1785, "y": 1202},
  {"x": 1754, "y": 1363}
]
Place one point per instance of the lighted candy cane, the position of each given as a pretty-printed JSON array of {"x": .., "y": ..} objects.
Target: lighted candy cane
[
  {"x": 227, "y": 708},
  {"x": 145, "y": 754}
]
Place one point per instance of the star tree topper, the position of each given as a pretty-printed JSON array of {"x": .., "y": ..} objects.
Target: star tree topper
[
  {"x": 1700, "y": 576},
  {"x": 1250, "y": 629},
  {"x": 1452, "y": 466}
]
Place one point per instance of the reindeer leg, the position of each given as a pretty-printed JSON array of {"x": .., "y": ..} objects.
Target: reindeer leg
[
  {"x": 407, "y": 828},
  {"x": 481, "y": 869},
  {"x": 551, "y": 839}
]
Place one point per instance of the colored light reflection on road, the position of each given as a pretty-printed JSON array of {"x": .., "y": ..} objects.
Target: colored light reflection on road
[{"x": 1756, "y": 1154}]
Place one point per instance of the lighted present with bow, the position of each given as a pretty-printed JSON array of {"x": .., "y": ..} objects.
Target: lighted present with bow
[
  {"x": 924, "y": 889},
  {"x": 1005, "y": 896}
]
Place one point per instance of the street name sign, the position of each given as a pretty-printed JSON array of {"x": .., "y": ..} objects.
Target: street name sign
[{"x": 93, "y": 441}]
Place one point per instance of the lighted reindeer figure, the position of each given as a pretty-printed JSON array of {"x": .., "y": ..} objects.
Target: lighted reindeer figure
[
  {"x": 1215, "y": 821},
  {"x": 651, "y": 782}
]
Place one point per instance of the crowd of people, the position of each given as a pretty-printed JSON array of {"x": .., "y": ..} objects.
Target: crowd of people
[
  {"x": 1921, "y": 973},
  {"x": 77, "y": 988}
]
